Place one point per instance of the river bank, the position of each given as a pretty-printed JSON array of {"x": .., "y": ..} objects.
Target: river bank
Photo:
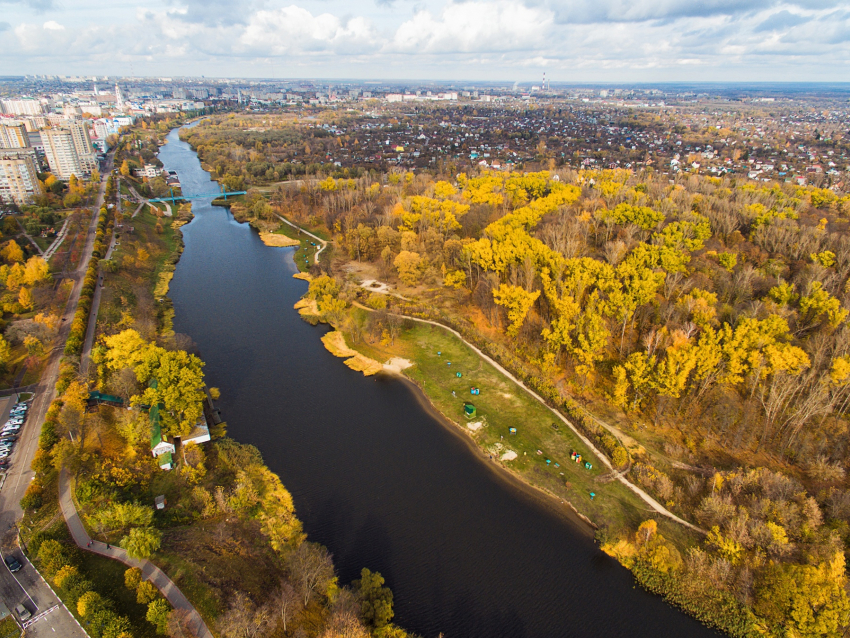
[{"x": 374, "y": 478}]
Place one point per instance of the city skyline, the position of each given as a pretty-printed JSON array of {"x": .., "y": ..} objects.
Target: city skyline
[{"x": 606, "y": 41}]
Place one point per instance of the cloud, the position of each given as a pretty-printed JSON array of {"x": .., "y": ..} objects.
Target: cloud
[
  {"x": 488, "y": 39},
  {"x": 293, "y": 30},
  {"x": 214, "y": 12},
  {"x": 481, "y": 27},
  {"x": 5, "y": 26},
  {"x": 781, "y": 21}
]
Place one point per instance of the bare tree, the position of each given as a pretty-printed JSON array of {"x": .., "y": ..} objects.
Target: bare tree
[
  {"x": 311, "y": 568},
  {"x": 286, "y": 600},
  {"x": 180, "y": 624},
  {"x": 244, "y": 619}
]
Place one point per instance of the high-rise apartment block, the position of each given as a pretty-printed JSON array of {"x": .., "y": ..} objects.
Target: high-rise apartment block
[
  {"x": 69, "y": 150},
  {"x": 22, "y": 106},
  {"x": 18, "y": 175},
  {"x": 13, "y": 136}
]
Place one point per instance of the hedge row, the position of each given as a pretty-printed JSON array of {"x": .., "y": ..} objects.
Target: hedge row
[{"x": 77, "y": 336}]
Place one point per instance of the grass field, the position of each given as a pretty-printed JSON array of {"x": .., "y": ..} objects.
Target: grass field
[
  {"x": 502, "y": 405},
  {"x": 9, "y": 628},
  {"x": 305, "y": 254}
]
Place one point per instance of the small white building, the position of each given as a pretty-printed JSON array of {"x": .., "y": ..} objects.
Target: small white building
[
  {"x": 148, "y": 170},
  {"x": 199, "y": 434}
]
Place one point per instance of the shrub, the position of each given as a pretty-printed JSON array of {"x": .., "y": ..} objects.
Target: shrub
[{"x": 32, "y": 499}]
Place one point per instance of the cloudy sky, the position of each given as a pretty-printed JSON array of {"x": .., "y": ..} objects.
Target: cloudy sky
[{"x": 571, "y": 40}]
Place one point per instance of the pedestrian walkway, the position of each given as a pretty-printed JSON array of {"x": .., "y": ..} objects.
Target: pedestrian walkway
[{"x": 150, "y": 571}]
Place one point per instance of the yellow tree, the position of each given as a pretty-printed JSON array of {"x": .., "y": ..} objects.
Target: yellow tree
[
  {"x": 25, "y": 299},
  {"x": 518, "y": 302},
  {"x": 36, "y": 271},
  {"x": 12, "y": 253},
  {"x": 408, "y": 264}
]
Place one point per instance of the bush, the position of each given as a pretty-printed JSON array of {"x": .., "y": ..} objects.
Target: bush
[
  {"x": 53, "y": 556},
  {"x": 158, "y": 612},
  {"x": 33, "y": 498}
]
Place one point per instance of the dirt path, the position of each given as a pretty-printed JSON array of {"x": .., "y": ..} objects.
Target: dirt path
[{"x": 319, "y": 239}]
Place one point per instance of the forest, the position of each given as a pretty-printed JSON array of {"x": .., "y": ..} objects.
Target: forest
[{"x": 703, "y": 320}]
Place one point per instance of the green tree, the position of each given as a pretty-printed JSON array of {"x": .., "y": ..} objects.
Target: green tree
[
  {"x": 89, "y": 603},
  {"x": 142, "y": 542},
  {"x": 158, "y": 612},
  {"x": 146, "y": 592},
  {"x": 376, "y": 607},
  {"x": 52, "y": 556}
]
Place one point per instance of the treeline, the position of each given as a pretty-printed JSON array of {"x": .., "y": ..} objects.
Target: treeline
[{"x": 77, "y": 336}]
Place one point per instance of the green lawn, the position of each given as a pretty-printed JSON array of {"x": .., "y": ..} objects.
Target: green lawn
[
  {"x": 9, "y": 628},
  {"x": 305, "y": 254},
  {"x": 502, "y": 405}
]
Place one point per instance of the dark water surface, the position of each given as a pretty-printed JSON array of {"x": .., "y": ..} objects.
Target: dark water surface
[{"x": 377, "y": 479}]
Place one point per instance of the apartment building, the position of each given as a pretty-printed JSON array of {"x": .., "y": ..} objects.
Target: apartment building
[
  {"x": 13, "y": 136},
  {"x": 69, "y": 150},
  {"x": 18, "y": 175}
]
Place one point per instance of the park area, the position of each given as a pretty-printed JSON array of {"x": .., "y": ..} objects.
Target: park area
[{"x": 543, "y": 443}]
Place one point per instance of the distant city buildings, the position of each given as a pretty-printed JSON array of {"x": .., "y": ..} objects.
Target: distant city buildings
[
  {"x": 22, "y": 106},
  {"x": 18, "y": 164}
]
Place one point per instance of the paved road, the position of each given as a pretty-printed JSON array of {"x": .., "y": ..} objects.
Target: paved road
[
  {"x": 58, "y": 241},
  {"x": 27, "y": 586},
  {"x": 149, "y": 570}
]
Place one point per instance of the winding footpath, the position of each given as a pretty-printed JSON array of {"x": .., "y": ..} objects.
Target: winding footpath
[
  {"x": 646, "y": 498},
  {"x": 50, "y": 616},
  {"x": 149, "y": 571}
]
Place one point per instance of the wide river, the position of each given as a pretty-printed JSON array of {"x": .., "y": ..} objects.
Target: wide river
[{"x": 375, "y": 477}]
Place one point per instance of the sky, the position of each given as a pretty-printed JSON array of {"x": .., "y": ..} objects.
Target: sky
[{"x": 501, "y": 40}]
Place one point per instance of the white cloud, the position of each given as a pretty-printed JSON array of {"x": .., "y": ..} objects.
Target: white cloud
[
  {"x": 488, "y": 39},
  {"x": 292, "y": 30},
  {"x": 473, "y": 27}
]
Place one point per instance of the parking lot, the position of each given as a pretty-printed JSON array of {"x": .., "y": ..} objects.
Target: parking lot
[{"x": 13, "y": 415}]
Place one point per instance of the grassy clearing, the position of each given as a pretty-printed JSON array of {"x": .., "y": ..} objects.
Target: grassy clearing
[
  {"x": 9, "y": 628},
  {"x": 503, "y": 405},
  {"x": 305, "y": 254}
]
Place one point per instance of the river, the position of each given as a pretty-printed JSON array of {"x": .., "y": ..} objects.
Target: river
[{"x": 375, "y": 477}]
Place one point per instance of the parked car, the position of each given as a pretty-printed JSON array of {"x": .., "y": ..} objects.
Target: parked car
[
  {"x": 9, "y": 437},
  {"x": 23, "y": 613},
  {"x": 4, "y": 454},
  {"x": 12, "y": 563}
]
